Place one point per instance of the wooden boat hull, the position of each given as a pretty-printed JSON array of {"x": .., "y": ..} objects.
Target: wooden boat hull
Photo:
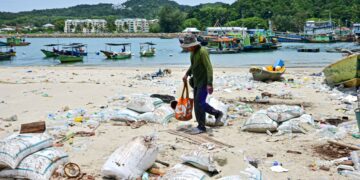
[
  {"x": 260, "y": 74},
  {"x": 111, "y": 55},
  {"x": 70, "y": 59},
  {"x": 345, "y": 71},
  {"x": 49, "y": 53},
  {"x": 5, "y": 57},
  {"x": 147, "y": 54},
  {"x": 19, "y": 44}
]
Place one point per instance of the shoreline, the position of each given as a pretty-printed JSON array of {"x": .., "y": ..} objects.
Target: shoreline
[{"x": 102, "y": 35}]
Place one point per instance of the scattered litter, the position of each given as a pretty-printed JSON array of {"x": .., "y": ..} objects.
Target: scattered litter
[
  {"x": 201, "y": 160},
  {"x": 278, "y": 168},
  {"x": 161, "y": 115},
  {"x": 180, "y": 171},
  {"x": 124, "y": 115},
  {"x": 39, "y": 166},
  {"x": 12, "y": 118},
  {"x": 17, "y": 146},
  {"x": 260, "y": 122},
  {"x": 210, "y": 120},
  {"x": 35, "y": 127},
  {"x": 72, "y": 170},
  {"x": 132, "y": 159},
  {"x": 143, "y": 103},
  {"x": 281, "y": 113}
]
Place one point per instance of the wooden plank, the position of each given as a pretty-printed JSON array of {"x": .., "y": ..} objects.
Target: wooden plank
[
  {"x": 344, "y": 145},
  {"x": 34, "y": 127}
]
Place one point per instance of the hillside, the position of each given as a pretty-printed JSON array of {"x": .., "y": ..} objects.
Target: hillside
[{"x": 132, "y": 8}]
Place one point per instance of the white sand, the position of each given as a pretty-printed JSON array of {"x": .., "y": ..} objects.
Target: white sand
[{"x": 89, "y": 88}]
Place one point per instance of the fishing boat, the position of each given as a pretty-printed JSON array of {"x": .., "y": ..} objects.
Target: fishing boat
[
  {"x": 51, "y": 53},
  {"x": 147, "y": 49},
  {"x": 124, "y": 54},
  {"x": 320, "y": 39},
  {"x": 5, "y": 56},
  {"x": 269, "y": 73},
  {"x": 224, "y": 45},
  {"x": 288, "y": 37},
  {"x": 16, "y": 41},
  {"x": 9, "y": 51},
  {"x": 345, "y": 71},
  {"x": 72, "y": 55}
]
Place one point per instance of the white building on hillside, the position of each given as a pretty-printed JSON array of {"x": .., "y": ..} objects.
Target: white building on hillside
[
  {"x": 48, "y": 26},
  {"x": 133, "y": 25},
  {"x": 85, "y": 26},
  {"x": 216, "y": 31}
]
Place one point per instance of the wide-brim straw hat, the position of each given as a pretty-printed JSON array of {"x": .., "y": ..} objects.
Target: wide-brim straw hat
[{"x": 190, "y": 40}]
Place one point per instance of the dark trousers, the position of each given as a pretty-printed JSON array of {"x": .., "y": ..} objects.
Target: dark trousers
[{"x": 201, "y": 107}]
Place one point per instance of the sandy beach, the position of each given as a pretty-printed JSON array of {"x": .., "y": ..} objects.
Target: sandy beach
[{"x": 32, "y": 93}]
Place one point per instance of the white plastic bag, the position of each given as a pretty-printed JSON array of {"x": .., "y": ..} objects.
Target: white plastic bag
[
  {"x": 294, "y": 125},
  {"x": 182, "y": 172},
  {"x": 161, "y": 115},
  {"x": 17, "y": 146},
  {"x": 143, "y": 103},
  {"x": 281, "y": 113},
  {"x": 124, "y": 115},
  {"x": 201, "y": 160},
  {"x": 216, "y": 104},
  {"x": 259, "y": 122},
  {"x": 37, "y": 166},
  {"x": 132, "y": 159}
]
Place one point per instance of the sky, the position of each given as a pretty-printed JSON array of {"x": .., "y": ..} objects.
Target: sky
[{"x": 28, "y": 5}]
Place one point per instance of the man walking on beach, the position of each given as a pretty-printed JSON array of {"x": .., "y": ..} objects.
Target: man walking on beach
[{"x": 202, "y": 77}]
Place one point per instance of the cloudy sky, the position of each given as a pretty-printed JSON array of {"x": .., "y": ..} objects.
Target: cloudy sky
[{"x": 27, "y": 5}]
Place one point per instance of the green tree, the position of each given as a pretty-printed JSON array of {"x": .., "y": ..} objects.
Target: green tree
[
  {"x": 155, "y": 28},
  {"x": 192, "y": 22},
  {"x": 253, "y": 22},
  {"x": 171, "y": 19}
]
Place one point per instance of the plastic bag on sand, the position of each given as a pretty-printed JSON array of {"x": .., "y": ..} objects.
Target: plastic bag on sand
[
  {"x": 235, "y": 177},
  {"x": 182, "y": 172},
  {"x": 143, "y": 103},
  {"x": 161, "y": 115},
  {"x": 281, "y": 113},
  {"x": 17, "y": 146},
  {"x": 294, "y": 125},
  {"x": 210, "y": 120},
  {"x": 259, "y": 122},
  {"x": 131, "y": 160},
  {"x": 37, "y": 166},
  {"x": 124, "y": 115},
  {"x": 331, "y": 132},
  {"x": 201, "y": 160}
]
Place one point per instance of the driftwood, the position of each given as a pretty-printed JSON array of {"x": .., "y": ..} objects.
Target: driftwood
[
  {"x": 163, "y": 163},
  {"x": 200, "y": 139},
  {"x": 344, "y": 145},
  {"x": 278, "y": 102},
  {"x": 35, "y": 127}
]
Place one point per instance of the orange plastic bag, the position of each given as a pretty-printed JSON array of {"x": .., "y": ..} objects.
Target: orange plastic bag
[{"x": 183, "y": 110}]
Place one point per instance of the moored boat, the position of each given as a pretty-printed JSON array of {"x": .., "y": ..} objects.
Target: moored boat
[
  {"x": 147, "y": 49},
  {"x": 51, "y": 53},
  {"x": 70, "y": 58},
  {"x": 16, "y": 41},
  {"x": 345, "y": 71},
  {"x": 5, "y": 56},
  {"x": 75, "y": 54},
  {"x": 269, "y": 73},
  {"x": 124, "y": 54},
  {"x": 308, "y": 50}
]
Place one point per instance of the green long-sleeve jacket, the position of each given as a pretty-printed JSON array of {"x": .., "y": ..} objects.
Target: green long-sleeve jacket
[{"x": 201, "y": 68}]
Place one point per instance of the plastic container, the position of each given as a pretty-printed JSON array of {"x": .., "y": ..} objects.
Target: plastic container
[{"x": 357, "y": 114}]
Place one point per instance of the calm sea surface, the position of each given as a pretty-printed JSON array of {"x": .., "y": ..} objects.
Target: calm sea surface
[{"x": 169, "y": 53}]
